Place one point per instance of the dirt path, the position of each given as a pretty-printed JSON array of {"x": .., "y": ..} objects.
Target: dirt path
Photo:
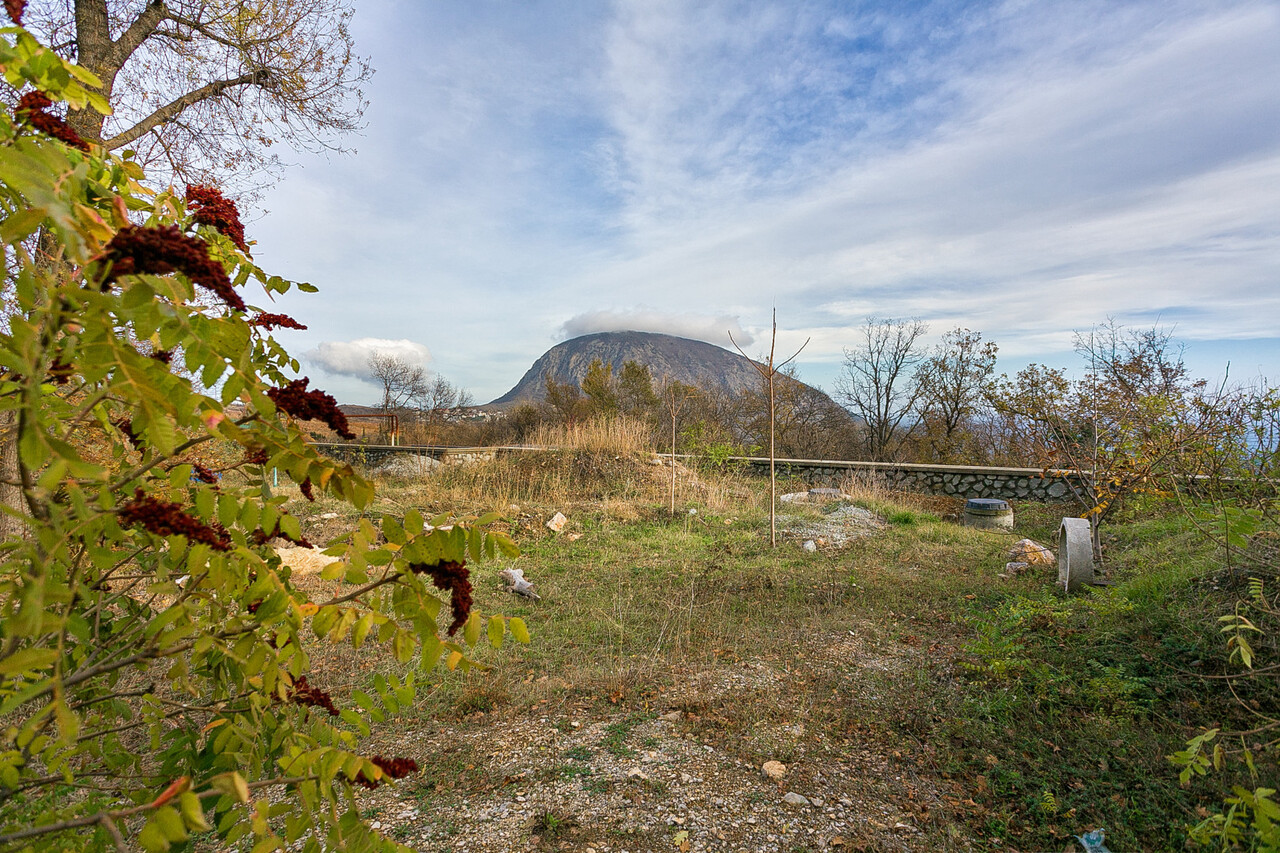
[{"x": 591, "y": 777}]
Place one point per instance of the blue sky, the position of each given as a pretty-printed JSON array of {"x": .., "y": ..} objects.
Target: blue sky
[{"x": 538, "y": 170}]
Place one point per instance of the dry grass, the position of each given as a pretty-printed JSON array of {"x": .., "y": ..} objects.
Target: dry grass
[
  {"x": 604, "y": 467},
  {"x": 618, "y": 435}
]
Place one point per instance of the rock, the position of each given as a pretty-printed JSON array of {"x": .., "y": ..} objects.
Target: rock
[
  {"x": 794, "y": 799},
  {"x": 328, "y": 515},
  {"x": 1012, "y": 570},
  {"x": 774, "y": 770},
  {"x": 794, "y": 497},
  {"x": 1032, "y": 553},
  {"x": 557, "y": 522},
  {"x": 573, "y": 537},
  {"x": 637, "y": 773},
  {"x": 515, "y": 583},
  {"x": 810, "y": 545},
  {"x": 672, "y": 716}
]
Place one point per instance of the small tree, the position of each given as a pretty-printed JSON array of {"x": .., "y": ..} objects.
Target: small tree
[
  {"x": 155, "y": 675},
  {"x": 878, "y": 386},
  {"x": 675, "y": 397},
  {"x": 954, "y": 380},
  {"x": 769, "y": 373},
  {"x": 1134, "y": 419}
]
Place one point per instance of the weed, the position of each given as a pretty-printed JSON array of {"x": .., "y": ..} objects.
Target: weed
[{"x": 551, "y": 824}]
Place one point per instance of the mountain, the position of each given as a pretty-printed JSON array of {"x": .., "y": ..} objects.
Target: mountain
[{"x": 667, "y": 357}]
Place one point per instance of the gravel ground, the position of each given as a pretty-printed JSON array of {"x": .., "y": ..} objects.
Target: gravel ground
[{"x": 576, "y": 777}]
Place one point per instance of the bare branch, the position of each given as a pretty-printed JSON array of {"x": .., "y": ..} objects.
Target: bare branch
[{"x": 174, "y": 108}]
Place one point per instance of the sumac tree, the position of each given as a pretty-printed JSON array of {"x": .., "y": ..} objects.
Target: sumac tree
[{"x": 155, "y": 655}]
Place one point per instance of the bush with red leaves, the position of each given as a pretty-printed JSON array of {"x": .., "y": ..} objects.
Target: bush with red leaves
[
  {"x": 165, "y": 250},
  {"x": 276, "y": 321},
  {"x": 303, "y": 693},
  {"x": 305, "y": 405},
  {"x": 210, "y": 207},
  {"x": 456, "y": 580},
  {"x": 395, "y": 768},
  {"x": 164, "y": 518},
  {"x": 31, "y": 109},
  {"x": 15, "y": 8}
]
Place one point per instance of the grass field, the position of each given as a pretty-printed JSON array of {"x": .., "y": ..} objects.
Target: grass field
[{"x": 1000, "y": 714}]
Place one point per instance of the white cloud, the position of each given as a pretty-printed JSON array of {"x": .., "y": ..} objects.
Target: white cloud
[
  {"x": 713, "y": 330},
  {"x": 351, "y": 358}
]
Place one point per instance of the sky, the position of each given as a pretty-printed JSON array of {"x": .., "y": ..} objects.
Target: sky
[{"x": 1027, "y": 169}]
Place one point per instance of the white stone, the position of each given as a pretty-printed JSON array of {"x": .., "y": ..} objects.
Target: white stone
[{"x": 557, "y": 522}]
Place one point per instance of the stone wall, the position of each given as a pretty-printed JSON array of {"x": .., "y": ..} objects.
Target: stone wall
[{"x": 960, "y": 481}]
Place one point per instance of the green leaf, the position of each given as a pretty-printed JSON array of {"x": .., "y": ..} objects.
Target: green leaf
[
  {"x": 471, "y": 631},
  {"x": 28, "y": 660},
  {"x": 193, "y": 812},
  {"x": 152, "y": 838},
  {"x": 519, "y": 630},
  {"x": 170, "y": 823},
  {"x": 497, "y": 630}
]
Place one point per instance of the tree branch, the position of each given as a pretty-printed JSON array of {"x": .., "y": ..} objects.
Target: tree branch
[
  {"x": 174, "y": 108},
  {"x": 136, "y": 33}
]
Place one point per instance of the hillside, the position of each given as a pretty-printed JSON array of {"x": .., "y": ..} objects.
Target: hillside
[{"x": 666, "y": 356}]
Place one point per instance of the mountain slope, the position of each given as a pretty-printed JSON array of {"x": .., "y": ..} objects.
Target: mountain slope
[{"x": 666, "y": 356}]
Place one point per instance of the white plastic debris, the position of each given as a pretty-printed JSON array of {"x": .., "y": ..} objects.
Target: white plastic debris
[{"x": 514, "y": 579}]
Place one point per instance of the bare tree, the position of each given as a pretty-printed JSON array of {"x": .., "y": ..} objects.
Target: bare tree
[
  {"x": 878, "y": 384},
  {"x": 401, "y": 381},
  {"x": 439, "y": 399},
  {"x": 207, "y": 89},
  {"x": 769, "y": 373}
]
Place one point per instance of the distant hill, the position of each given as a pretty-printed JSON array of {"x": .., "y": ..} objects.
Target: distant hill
[{"x": 666, "y": 356}]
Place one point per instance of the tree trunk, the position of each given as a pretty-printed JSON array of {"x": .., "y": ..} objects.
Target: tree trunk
[{"x": 12, "y": 523}]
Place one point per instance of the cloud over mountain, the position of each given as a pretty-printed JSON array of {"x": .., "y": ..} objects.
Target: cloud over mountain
[{"x": 698, "y": 327}]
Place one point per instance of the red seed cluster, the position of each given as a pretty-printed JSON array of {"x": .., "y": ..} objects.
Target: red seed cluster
[
  {"x": 456, "y": 580},
  {"x": 165, "y": 250},
  {"x": 256, "y": 456},
  {"x": 276, "y": 321},
  {"x": 164, "y": 518},
  {"x": 305, "y": 405},
  {"x": 125, "y": 425},
  {"x": 395, "y": 768},
  {"x": 211, "y": 207},
  {"x": 31, "y": 109},
  {"x": 164, "y": 355},
  {"x": 262, "y": 537},
  {"x": 305, "y": 488},
  {"x": 203, "y": 474},
  {"x": 303, "y": 693},
  {"x": 15, "y": 8},
  {"x": 60, "y": 372}
]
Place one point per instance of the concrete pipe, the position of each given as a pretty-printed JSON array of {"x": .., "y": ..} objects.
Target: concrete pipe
[{"x": 1075, "y": 554}]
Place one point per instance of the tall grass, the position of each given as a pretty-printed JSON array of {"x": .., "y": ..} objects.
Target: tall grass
[{"x": 617, "y": 435}]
